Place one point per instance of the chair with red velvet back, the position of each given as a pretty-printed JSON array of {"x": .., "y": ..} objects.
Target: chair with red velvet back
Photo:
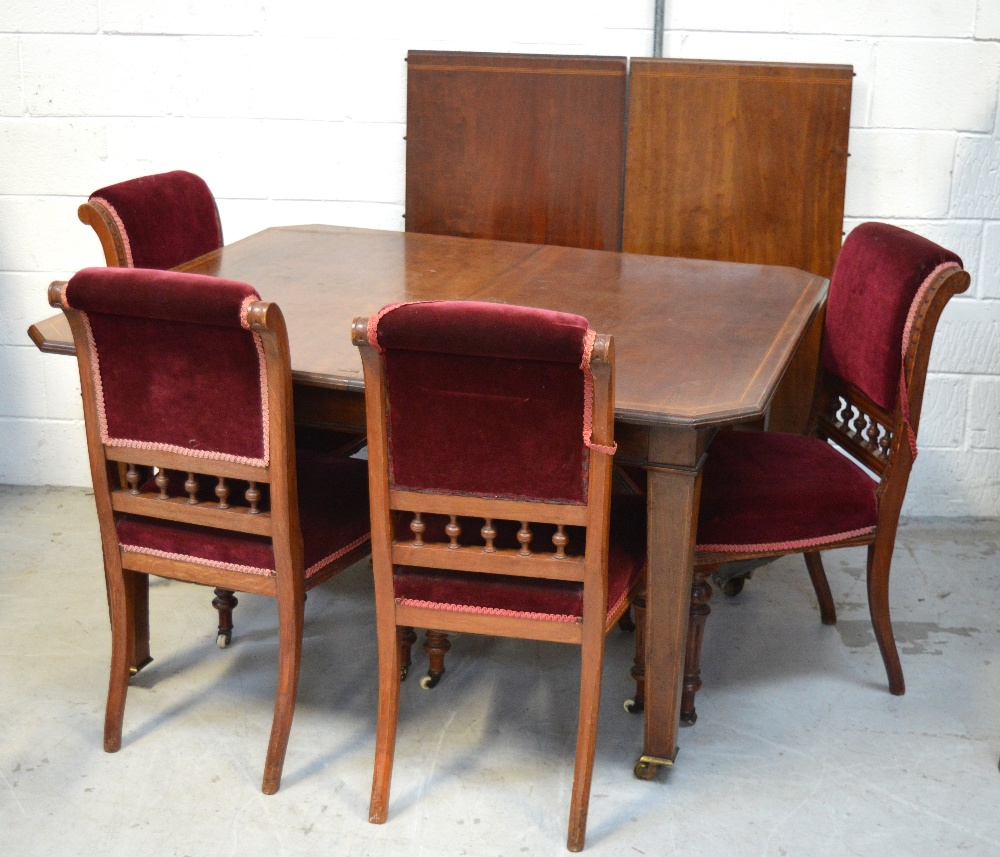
[
  {"x": 187, "y": 389},
  {"x": 766, "y": 495},
  {"x": 158, "y": 221},
  {"x": 490, "y": 439}
]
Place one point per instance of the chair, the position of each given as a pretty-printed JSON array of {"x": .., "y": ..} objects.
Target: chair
[
  {"x": 501, "y": 524},
  {"x": 187, "y": 377},
  {"x": 766, "y": 495},
  {"x": 158, "y": 221}
]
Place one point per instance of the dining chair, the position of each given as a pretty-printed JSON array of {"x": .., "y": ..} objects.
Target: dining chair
[
  {"x": 843, "y": 484},
  {"x": 187, "y": 387},
  {"x": 157, "y": 221},
  {"x": 490, "y": 441}
]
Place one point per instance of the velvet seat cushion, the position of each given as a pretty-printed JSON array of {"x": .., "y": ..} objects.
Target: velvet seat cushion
[
  {"x": 519, "y": 596},
  {"x": 333, "y": 514},
  {"x": 780, "y": 492},
  {"x": 167, "y": 218}
]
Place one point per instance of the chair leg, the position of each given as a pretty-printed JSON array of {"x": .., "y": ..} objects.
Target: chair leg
[
  {"x": 827, "y": 610},
  {"x": 701, "y": 594},
  {"x": 638, "y": 702},
  {"x": 225, "y": 602},
  {"x": 405, "y": 637},
  {"x": 437, "y": 646},
  {"x": 122, "y": 587},
  {"x": 291, "y": 616},
  {"x": 388, "y": 717},
  {"x": 140, "y": 610},
  {"x": 591, "y": 661},
  {"x": 879, "y": 560}
]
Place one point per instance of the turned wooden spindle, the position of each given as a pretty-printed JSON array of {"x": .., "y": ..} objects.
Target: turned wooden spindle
[
  {"x": 253, "y": 498},
  {"x": 453, "y": 531},
  {"x": 489, "y": 533},
  {"x": 162, "y": 481},
  {"x": 222, "y": 492},
  {"x": 559, "y": 539},
  {"x": 132, "y": 477},
  {"x": 417, "y": 527},
  {"x": 191, "y": 486},
  {"x": 524, "y": 536}
]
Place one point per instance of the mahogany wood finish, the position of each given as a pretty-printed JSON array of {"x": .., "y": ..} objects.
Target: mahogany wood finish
[
  {"x": 127, "y": 571},
  {"x": 699, "y": 344},
  {"x": 395, "y": 616},
  {"x": 516, "y": 147},
  {"x": 878, "y": 440},
  {"x": 741, "y": 162}
]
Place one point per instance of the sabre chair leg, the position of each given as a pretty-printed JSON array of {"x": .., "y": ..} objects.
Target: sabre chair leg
[
  {"x": 291, "y": 618},
  {"x": 827, "y": 609},
  {"x": 405, "y": 638},
  {"x": 437, "y": 646},
  {"x": 122, "y": 587},
  {"x": 879, "y": 560},
  {"x": 701, "y": 594},
  {"x": 385, "y": 729},
  {"x": 225, "y": 602},
  {"x": 638, "y": 702}
]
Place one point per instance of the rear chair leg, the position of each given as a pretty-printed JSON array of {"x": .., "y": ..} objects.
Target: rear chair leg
[
  {"x": 701, "y": 594},
  {"x": 225, "y": 602},
  {"x": 437, "y": 646}
]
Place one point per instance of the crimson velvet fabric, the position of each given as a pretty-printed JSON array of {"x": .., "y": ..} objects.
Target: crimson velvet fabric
[
  {"x": 176, "y": 366},
  {"x": 333, "y": 514},
  {"x": 879, "y": 271},
  {"x": 169, "y": 218},
  {"x": 762, "y": 490},
  {"x": 626, "y": 558},
  {"x": 485, "y": 399}
]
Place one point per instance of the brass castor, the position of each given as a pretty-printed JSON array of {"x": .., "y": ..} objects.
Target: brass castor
[
  {"x": 733, "y": 586},
  {"x": 645, "y": 770}
]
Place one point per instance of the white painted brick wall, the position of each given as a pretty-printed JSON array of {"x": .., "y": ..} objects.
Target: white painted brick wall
[{"x": 294, "y": 112}]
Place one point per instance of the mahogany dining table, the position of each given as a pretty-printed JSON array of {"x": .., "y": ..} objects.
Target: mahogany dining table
[{"x": 700, "y": 345}]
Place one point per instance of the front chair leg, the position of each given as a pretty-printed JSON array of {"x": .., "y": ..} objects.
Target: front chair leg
[
  {"x": 879, "y": 559},
  {"x": 701, "y": 594},
  {"x": 225, "y": 602},
  {"x": 827, "y": 610},
  {"x": 437, "y": 646}
]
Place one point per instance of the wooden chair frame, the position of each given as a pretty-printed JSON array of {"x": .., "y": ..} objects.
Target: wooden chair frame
[
  {"x": 879, "y": 441},
  {"x": 127, "y": 572},
  {"x": 395, "y": 619}
]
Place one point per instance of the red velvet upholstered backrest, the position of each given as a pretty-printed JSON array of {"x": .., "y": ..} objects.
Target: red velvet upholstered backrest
[
  {"x": 879, "y": 274},
  {"x": 177, "y": 366},
  {"x": 485, "y": 399},
  {"x": 164, "y": 219}
]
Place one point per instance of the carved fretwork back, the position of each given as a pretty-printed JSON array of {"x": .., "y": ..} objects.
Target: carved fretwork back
[{"x": 849, "y": 418}]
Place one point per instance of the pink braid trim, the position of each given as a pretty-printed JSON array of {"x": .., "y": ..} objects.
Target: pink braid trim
[
  {"x": 121, "y": 228},
  {"x": 63, "y": 300},
  {"x": 245, "y": 569},
  {"x": 125, "y": 443},
  {"x": 588, "y": 396},
  {"x": 796, "y": 545},
  {"x": 245, "y": 310},
  {"x": 229, "y": 566},
  {"x": 375, "y": 319},
  {"x": 487, "y": 611},
  {"x": 904, "y": 399}
]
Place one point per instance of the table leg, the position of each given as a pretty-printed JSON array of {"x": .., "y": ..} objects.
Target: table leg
[{"x": 672, "y": 513}]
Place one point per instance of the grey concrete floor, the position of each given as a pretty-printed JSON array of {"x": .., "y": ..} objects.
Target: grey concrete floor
[{"x": 799, "y": 749}]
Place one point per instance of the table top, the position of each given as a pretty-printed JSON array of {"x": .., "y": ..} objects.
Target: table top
[{"x": 698, "y": 343}]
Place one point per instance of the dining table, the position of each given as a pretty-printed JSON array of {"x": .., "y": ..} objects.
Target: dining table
[{"x": 700, "y": 345}]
